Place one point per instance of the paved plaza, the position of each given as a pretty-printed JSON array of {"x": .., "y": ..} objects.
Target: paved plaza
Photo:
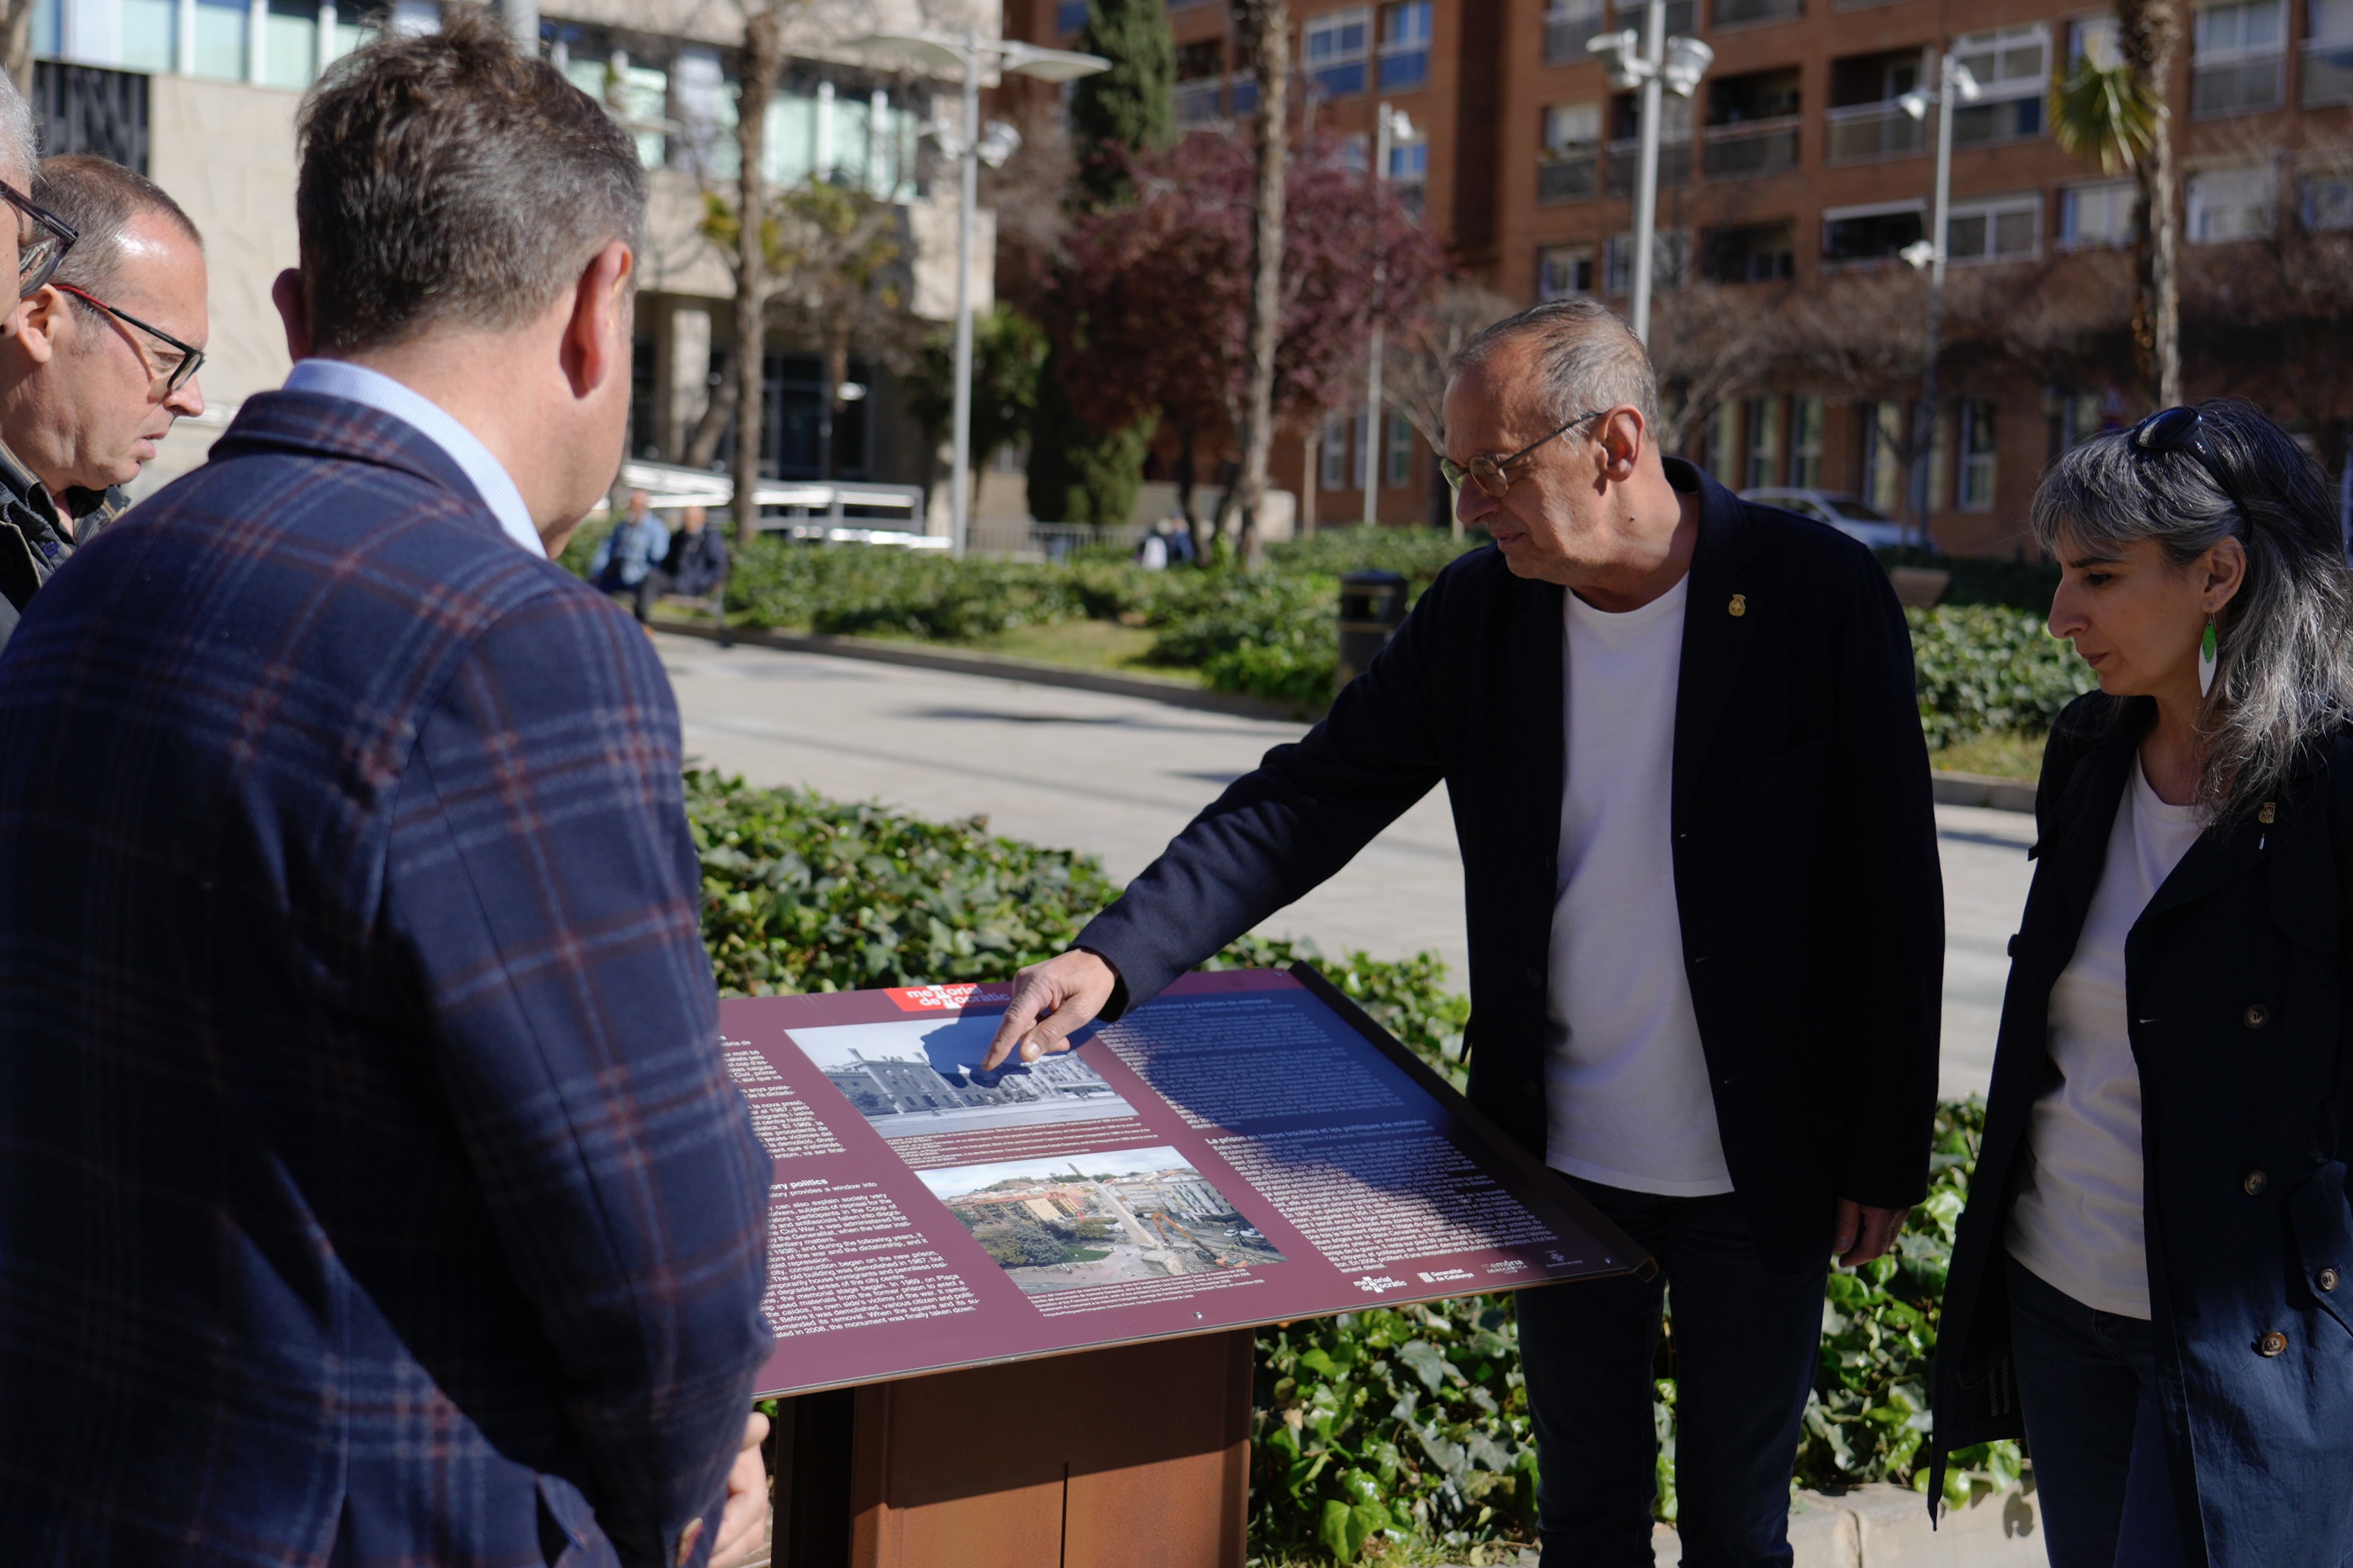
[{"x": 1117, "y": 776}]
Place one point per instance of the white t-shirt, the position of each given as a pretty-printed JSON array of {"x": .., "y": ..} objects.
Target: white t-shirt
[
  {"x": 1626, "y": 1083},
  {"x": 2076, "y": 1222}
]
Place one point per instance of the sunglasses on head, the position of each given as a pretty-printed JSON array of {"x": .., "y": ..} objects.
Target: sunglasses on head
[
  {"x": 2183, "y": 429},
  {"x": 1492, "y": 475},
  {"x": 38, "y": 255}
]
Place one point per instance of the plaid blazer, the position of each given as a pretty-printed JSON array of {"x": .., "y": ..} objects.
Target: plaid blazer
[{"x": 372, "y": 1190}]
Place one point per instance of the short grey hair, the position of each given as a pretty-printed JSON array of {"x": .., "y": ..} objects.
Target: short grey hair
[
  {"x": 99, "y": 198},
  {"x": 1585, "y": 358},
  {"x": 20, "y": 142},
  {"x": 2285, "y": 643}
]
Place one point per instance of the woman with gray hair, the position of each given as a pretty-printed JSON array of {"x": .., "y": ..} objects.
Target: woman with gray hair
[{"x": 2153, "y": 1281}]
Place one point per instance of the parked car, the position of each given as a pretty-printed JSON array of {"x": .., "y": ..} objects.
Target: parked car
[{"x": 1850, "y": 516}]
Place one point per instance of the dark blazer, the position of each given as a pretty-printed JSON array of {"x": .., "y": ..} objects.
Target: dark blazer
[
  {"x": 372, "y": 1190},
  {"x": 2235, "y": 985},
  {"x": 1805, "y": 849}
]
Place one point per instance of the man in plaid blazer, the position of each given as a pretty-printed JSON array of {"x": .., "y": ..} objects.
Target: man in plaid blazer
[{"x": 372, "y": 1189}]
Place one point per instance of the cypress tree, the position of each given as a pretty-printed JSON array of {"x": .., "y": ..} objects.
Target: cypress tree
[{"x": 1078, "y": 473}]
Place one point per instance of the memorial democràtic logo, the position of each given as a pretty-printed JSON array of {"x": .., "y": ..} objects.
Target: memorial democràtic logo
[
  {"x": 948, "y": 998},
  {"x": 1376, "y": 1283}
]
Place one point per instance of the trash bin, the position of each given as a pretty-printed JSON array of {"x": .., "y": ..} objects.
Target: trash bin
[{"x": 1372, "y": 604}]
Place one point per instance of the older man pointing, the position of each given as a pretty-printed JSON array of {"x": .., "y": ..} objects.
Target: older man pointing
[{"x": 1679, "y": 735}]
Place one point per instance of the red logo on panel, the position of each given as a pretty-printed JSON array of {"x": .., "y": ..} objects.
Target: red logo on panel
[{"x": 948, "y": 998}]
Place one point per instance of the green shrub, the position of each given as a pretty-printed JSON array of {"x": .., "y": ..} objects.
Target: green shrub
[
  {"x": 1417, "y": 554},
  {"x": 1985, "y": 669},
  {"x": 1271, "y": 634}
]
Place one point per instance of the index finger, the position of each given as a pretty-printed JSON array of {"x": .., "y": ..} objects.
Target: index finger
[{"x": 1030, "y": 1002}]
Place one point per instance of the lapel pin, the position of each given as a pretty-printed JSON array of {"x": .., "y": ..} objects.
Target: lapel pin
[{"x": 1739, "y": 605}]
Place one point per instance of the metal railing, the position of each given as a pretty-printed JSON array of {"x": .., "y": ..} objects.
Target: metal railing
[
  {"x": 1682, "y": 16},
  {"x": 1626, "y": 157},
  {"x": 1017, "y": 539},
  {"x": 1567, "y": 29},
  {"x": 1199, "y": 102},
  {"x": 1569, "y": 177},
  {"x": 1865, "y": 133},
  {"x": 1736, "y": 13},
  {"x": 2235, "y": 86},
  {"x": 1751, "y": 148},
  {"x": 2327, "y": 71}
]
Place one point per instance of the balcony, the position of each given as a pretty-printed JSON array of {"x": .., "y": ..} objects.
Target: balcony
[
  {"x": 1569, "y": 177},
  {"x": 1868, "y": 132},
  {"x": 1740, "y": 13},
  {"x": 2236, "y": 86},
  {"x": 1199, "y": 102},
  {"x": 1626, "y": 161},
  {"x": 1566, "y": 29},
  {"x": 1756, "y": 147},
  {"x": 2327, "y": 71}
]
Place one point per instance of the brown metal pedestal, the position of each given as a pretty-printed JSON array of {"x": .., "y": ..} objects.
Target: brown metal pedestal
[{"x": 1135, "y": 1457}]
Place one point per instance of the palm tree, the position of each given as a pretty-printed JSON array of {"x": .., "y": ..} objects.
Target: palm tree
[{"x": 2117, "y": 115}]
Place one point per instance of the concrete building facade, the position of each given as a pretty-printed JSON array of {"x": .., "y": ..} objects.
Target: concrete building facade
[
  {"x": 1795, "y": 174},
  {"x": 201, "y": 95}
]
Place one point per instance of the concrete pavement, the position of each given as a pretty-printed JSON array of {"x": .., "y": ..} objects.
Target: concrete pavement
[{"x": 1117, "y": 776}]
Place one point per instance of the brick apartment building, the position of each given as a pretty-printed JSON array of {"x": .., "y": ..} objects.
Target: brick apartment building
[{"x": 1795, "y": 169}]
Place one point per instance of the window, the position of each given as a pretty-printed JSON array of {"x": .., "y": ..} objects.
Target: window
[
  {"x": 1764, "y": 442},
  {"x": 2012, "y": 66},
  {"x": 1749, "y": 253},
  {"x": 1752, "y": 123},
  {"x": 1568, "y": 24},
  {"x": 2237, "y": 62},
  {"x": 1571, "y": 168},
  {"x": 1400, "y": 453},
  {"x": 220, "y": 38},
  {"x": 2326, "y": 204},
  {"x": 1563, "y": 270},
  {"x": 2329, "y": 53},
  {"x": 1806, "y": 419},
  {"x": 1626, "y": 140},
  {"x": 150, "y": 34},
  {"x": 1724, "y": 441},
  {"x": 705, "y": 106},
  {"x": 1334, "y": 456},
  {"x": 2231, "y": 203},
  {"x": 1668, "y": 252},
  {"x": 1870, "y": 233},
  {"x": 1884, "y": 428},
  {"x": 2000, "y": 228},
  {"x": 638, "y": 94},
  {"x": 1682, "y": 16},
  {"x": 1976, "y": 470},
  {"x": 1732, "y": 13},
  {"x": 1405, "y": 45},
  {"x": 289, "y": 44},
  {"x": 1335, "y": 49},
  {"x": 2101, "y": 214}
]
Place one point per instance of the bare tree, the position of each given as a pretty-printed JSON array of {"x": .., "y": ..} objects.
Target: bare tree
[
  {"x": 1713, "y": 343},
  {"x": 1264, "y": 27}
]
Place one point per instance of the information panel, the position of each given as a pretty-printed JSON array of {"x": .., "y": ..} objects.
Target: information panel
[{"x": 1248, "y": 1148}]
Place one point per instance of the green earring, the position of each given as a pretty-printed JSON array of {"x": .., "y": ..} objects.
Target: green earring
[{"x": 2206, "y": 659}]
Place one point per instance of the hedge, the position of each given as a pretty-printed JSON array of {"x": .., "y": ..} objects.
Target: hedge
[{"x": 1407, "y": 1421}]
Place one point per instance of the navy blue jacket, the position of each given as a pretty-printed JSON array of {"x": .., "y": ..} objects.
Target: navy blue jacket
[
  {"x": 372, "y": 1190},
  {"x": 2235, "y": 987},
  {"x": 1805, "y": 849}
]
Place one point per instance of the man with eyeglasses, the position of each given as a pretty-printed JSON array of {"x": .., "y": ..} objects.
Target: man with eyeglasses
[
  {"x": 1681, "y": 740},
  {"x": 103, "y": 361}
]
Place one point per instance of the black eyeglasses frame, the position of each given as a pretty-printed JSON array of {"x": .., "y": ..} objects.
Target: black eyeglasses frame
[
  {"x": 2182, "y": 428},
  {"x": 183, "y": 373},
  {"x": 1454, "y": 473},
  {"x": 37, "y": 267}
]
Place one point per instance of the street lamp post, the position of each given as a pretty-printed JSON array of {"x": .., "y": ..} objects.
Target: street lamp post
[
  {"x": 1389, "y": 124},
  {"x": 1954, "y": 80},
  {"x": 1658, "y": 65},
  {"x": 968, "y": 56}
]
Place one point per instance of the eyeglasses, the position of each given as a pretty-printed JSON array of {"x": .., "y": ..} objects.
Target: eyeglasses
[
  {"x": 174, "y": 371},
  {"x": 37, "y": 258},
  {"x": 1489, "y": 473},
  {"x": 2183, "y": 429}
]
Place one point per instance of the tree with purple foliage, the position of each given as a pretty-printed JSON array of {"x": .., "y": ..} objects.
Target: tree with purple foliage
[{"x": 1153, "y": 310}]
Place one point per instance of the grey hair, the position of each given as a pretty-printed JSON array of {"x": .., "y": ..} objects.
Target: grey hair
[
  {"x": 20, "y": 143},
  {"x": 1585, "y": 358},
  {"x": 2284, "y": 642}
]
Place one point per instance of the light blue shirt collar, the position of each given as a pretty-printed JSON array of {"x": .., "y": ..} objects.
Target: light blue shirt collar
[{"x": 357, "y": 383}]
